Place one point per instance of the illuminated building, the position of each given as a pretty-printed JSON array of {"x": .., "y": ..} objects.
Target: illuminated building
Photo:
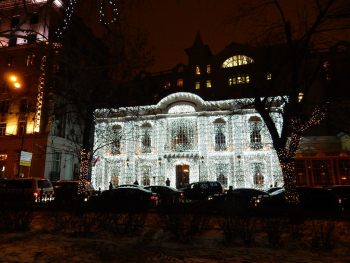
[{"x": 185, "y": 139}]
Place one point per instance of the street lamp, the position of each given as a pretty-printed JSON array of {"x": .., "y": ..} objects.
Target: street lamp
[{"x": 13, "y": 79}]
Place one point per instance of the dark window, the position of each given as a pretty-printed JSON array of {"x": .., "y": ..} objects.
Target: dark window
[
  {"x": 14, "y": 21},
  {"x": 34, "y": 19},
  {"x": 30, "y": 59},
  {"x": 2, "y": 129},
  {"x": 21, "y": 128},
  {"x": 32, "y": 39},
  {"x": 12, "y": 41},
  {"x": 10, "y": 62},
  {"x": 4, "y": 106},
  {"x": 23, "y": 106}
]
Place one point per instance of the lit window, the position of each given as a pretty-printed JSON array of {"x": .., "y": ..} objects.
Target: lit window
[
  {"x": 146, "y": 172},
  {"x": 258, "y": 178},
  {"x": 208, "y": 69},
  {"x": 198, "y": 72},
  {"x": 2, "y": 129},
  {"x": 221, "y": 174},
  {"x": 180, "y": 82},
  {"x": 237, "y": 60},
  {"x": 300, "y": 97},
  {"x": 30, "y": 59},
  {"x": 268, "y": 76},
  {"x": 182, "y": 135},
  {"x": 167, "y": 85},
  {"x": 239, "y": 79},
  {"x": 198, "y": 85},
  {"x": 208, "y": 83}
]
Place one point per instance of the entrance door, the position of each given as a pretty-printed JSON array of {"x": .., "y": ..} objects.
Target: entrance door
[{"x": 182, "y": 176}]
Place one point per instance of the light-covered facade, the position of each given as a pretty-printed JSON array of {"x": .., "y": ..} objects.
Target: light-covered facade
[{"x": 185, "y": 139}]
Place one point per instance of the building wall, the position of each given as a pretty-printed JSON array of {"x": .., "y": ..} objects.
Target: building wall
[{"x": 238, "y": 160}]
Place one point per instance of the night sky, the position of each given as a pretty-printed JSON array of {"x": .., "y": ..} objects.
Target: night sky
[{"x": 172, "y": 27}]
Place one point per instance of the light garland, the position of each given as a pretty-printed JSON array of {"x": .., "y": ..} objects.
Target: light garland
[
  {"x": 68, "y": 16},
  {"x": 84, "y": 170},
  {"x": 102, "y": 12},
  {"x": 197, "y": 138}
]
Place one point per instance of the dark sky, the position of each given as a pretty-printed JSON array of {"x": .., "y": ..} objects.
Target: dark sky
[{"x": 172, "y": 27}]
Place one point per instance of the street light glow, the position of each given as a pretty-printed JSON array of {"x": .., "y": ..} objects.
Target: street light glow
[
  {"x": 17, "y": 85},
  {"x": 13, "y": 78}
]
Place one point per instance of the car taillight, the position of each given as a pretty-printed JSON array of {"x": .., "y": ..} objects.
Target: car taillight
[
  {"x": 36, "y": 194},
  {"x": 181, "y": 194},
  {"x": 339, "y": 200},
  {"x": 154, "y": 197}
]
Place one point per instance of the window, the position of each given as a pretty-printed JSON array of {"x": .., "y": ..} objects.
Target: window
[
  {"x": 5, "y": 88},
  {"x": 116, "y": 141},
  {"x": 30, "y": 59},
  {"x": 4, "y": 106},
  {"x": 258, "y": 178},
  {"x": 182, "y": 135},
  {"x": 198, "y": 71},
  {"x": 208, "y": 83},
  {"x": 180, "y": 82},
  {"x": 21, "y": 128},
  {"x": 146, "y": 138},
  {"x": 2, "y": 129},
  {"x": 34, "y": 19},
  {"x": 237, "y": 60},
  {"x": 14, "y": 21},
  {"x": 300, "y": 97},
  {"x": 221, "y": 174},
  {"x": 208, "y": 69},
  {"x": 268, "y": 76},
  {"x": 198, "y": 85},
  {"x": 23, "y": 105},
  {"x": 12, "y": 41},
  {"x": 239, "y": 79},
  {"x": 31, "y": 39},
  {"x": 220, "y": 138},
  {"x": 56, "y": 157},
  {"x": 167, "y": 85},
  {"x": 255, "y": 126},
  {"x": 145, "y": 175}
]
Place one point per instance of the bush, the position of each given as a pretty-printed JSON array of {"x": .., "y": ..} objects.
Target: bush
[
  {"x": 273, "y": 227},
  {"x": 16, "y": 218}
]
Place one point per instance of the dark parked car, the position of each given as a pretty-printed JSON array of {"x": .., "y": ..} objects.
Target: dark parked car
[
  {"x": 242, "y": 196},
  {"x": 166, "y": 194},
  {"x": 67, "y": 191},
  {"x": 318, "y": 200},
  {"x": 202, "y": 191},
  {"x": 128, "y": 185},
  {"x": 126, "y": 196},
  {"x": 33, "y": 189},
  {"x": 272, "y": 189},
  {"x": 342, "y": 192}
]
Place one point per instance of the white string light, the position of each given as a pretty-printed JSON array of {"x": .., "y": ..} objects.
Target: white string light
[{"x": 103, "y": 12}]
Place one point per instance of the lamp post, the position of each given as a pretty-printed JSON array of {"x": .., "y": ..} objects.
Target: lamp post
[{"x": 199, "y": 175}]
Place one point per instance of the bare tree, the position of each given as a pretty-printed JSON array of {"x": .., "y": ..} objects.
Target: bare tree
[{"x": 290, "y": 32}]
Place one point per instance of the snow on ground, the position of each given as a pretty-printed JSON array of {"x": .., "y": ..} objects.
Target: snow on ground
[{"x": 153, "y": 245}]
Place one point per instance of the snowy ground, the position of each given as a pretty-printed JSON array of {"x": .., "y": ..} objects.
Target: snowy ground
[{"x": 153, "y": 245}]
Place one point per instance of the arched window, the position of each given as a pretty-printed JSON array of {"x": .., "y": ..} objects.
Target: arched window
[
  {"x": 255, "y": 126},
  {"x": 146, "y": 143},
  {"x": 237, "y": 60},
  {"x": 220, "y": 138},
  {"x": 117, "y": 137},
  {"x": 182, "y": 136}
]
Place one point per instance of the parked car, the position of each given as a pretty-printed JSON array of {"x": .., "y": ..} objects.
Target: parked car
[
  {"x": 272, "y": 189},
  {"x": 126, "y": 196},
  {"x": 67, "y": 190},
  {"x": 202, "y": 191},
  {"x": 241, "y": 196},
  {"x": 128, "y": 185},
  {"x": 166, "y": 194},
  {"x": 342, "y": 192},
  {"x": 33, "y": 189},
  {"x": 318, "y": 200}
]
